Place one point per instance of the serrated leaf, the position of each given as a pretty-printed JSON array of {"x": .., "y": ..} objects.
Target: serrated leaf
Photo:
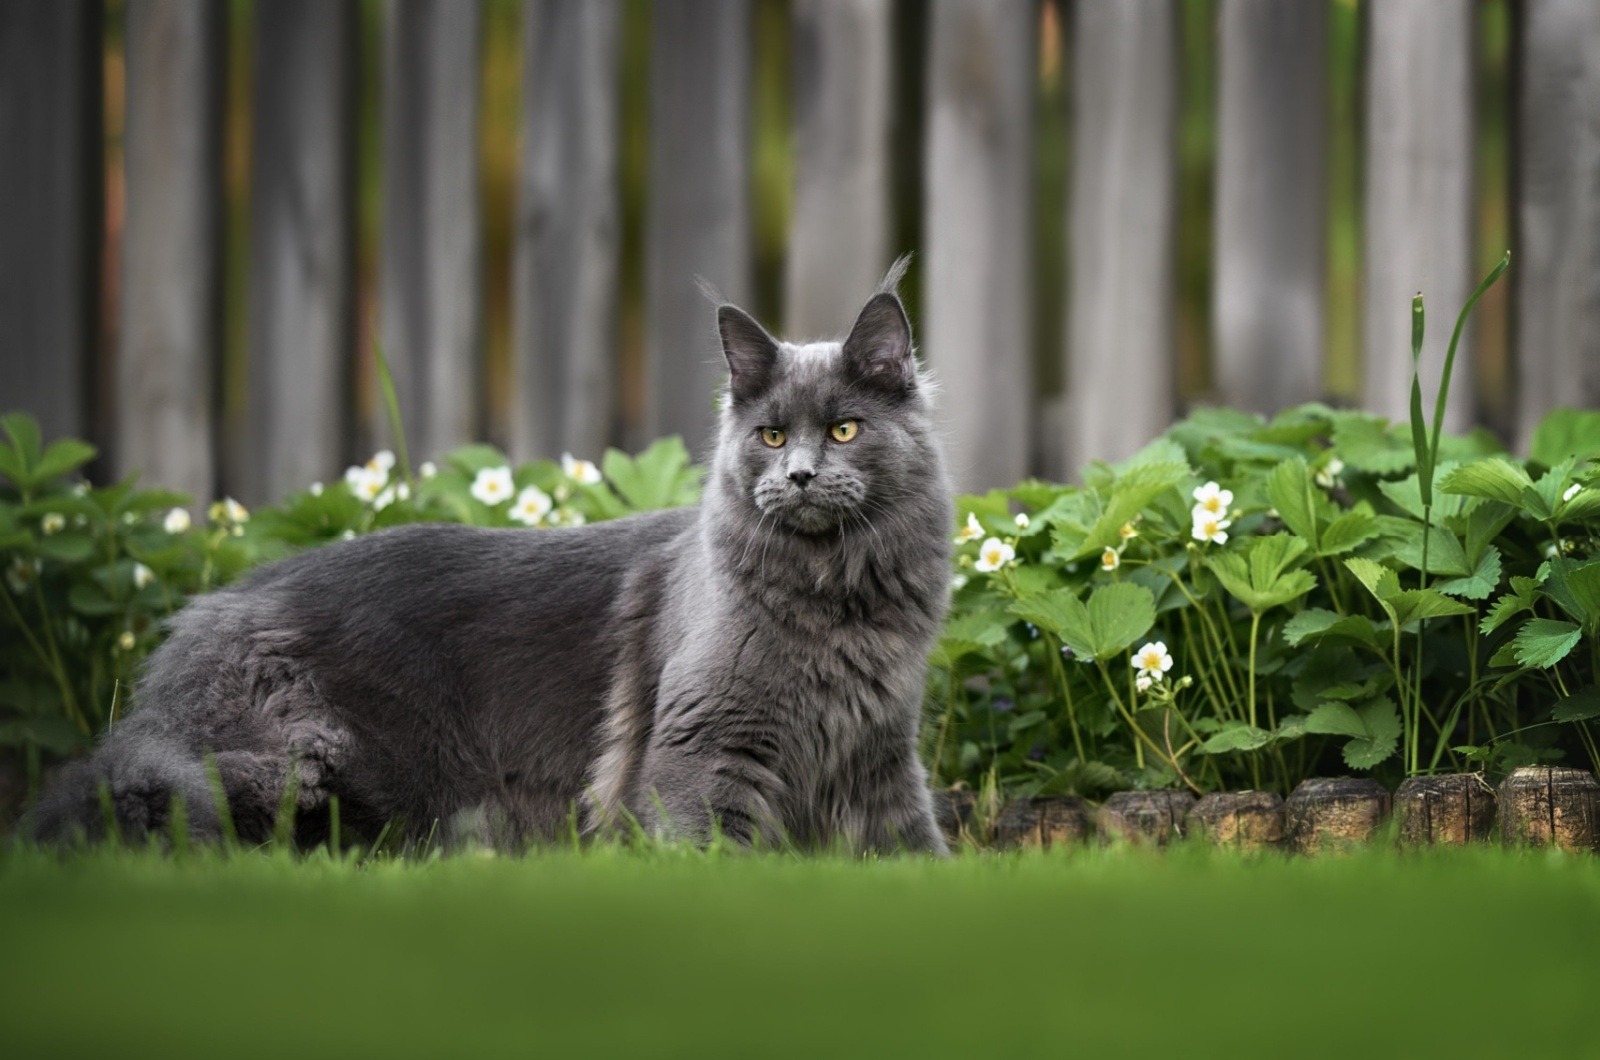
[
  {"x": 1543, "y": 642},
  {"x": 1120, "y": 614},
  {"x": 1315, "y": 624},
  {"x": 1519, "y": 599},
  {"x": 1130, "y": 494},
  {"x": 1291, "y": 492},
  {"x": 1382, "y": 582},
  {"x": 1258, "y": 579},
  {"x": 1481, "y": 582},
  {"x": 23, "y": 431},
  {"x": 1564, "y": 434},
  {"x": 1347, "y": 531},
  {"x": 1411, "y": 605},
  {"x": 63, "y": 456},
  {"x": 1237, "y": 737},
  {"x": 1367, "y": 443},
  {"x": 985, "y": 628},
  {"x": 1062, "y": 613},
  {"x": 67, "y": 547},
  {"x": 1445, "y": 554},
  {"x": 1581, "y": 706},
  {"x": 1383, "y": 735},
  {"x": 1336, "y": 719},
  {"x": 1575, "y": 586},
  {"x": 1495, "y": 478}
]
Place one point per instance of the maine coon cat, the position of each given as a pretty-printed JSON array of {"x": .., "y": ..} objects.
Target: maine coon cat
[{"x": 755, "y": 664}]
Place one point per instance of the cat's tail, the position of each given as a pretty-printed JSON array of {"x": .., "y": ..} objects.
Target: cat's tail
[{"x": 137, "y": 784}]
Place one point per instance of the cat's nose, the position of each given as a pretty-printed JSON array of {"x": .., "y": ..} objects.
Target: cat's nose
[{"x": 801, "y": 475}]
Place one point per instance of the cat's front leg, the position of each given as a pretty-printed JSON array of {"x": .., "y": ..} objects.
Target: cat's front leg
[
  {"x": 695, "y": 793},
  {"x": 894, "y": 811}
]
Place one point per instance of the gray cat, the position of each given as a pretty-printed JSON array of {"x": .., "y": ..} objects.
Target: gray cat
[{"x": 753, "y": 665}]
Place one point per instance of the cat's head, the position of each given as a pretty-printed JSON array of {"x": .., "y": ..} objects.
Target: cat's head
[{"x": 822, "y": 436}]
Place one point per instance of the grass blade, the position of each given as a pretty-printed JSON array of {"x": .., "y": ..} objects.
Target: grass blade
[
  {"x": 1450, "y": 355},
  {"x": 392, "y": 402}
]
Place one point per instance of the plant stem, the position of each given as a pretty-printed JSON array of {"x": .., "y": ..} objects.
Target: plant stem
[{"x": 1054, "y": 646}]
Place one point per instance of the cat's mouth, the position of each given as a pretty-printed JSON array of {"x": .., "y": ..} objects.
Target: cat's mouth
[{"x": 806, "y": 512}]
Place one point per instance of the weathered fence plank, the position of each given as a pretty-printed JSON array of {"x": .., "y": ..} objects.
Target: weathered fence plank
[
  {"x": 431, "y": 301},
  {"x": 171, "y": 320},
  {"x": 1122, "y": 226},
  {"x": 839, "y": 237},
  {"x": 699, "y": 211},
  {"x": 565, "y": 301},
  {"x": 302, "y": 246},
  {"x": 1418, "y": 199},
  {"x": 977, "y": 230},
  {"x": 1557, "y": 268},
  {"x": 51, "y": 191},
  {"x": 1271, "y": 206}
]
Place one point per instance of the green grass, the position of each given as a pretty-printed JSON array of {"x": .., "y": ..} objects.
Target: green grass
[{"x": 670, "y": 953}]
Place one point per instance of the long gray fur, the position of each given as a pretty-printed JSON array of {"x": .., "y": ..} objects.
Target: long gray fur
[{"x": 755, "y": 664}]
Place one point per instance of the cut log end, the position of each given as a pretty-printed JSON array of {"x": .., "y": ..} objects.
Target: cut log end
[
  {"x": 1453, "y": 809},
  {"x": 1042, "y": 822},
  {"x": 1325, "y": 815},
  {"x": 1550, "y": 805},
  {"x": 1247, "y": 820},
  {"x": 1152, "y": 817}
]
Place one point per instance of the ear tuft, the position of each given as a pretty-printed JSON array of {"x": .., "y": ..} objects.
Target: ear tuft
[
  {"x": 878, "y": 351},
  {"x": 751, "y": 352}
]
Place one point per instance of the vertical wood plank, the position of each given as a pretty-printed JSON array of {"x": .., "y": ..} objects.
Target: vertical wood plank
[
  {"x": 1557, "y": 267},
  {"x": 51, "y": 203},
  {"x": 565, "y": 302},
  {"x": 1271, "y": 234},
  {"x": 301, "y": 326},
  {"x": 1419, "y": 204},
  {"x": 978, "y": 322},
  {"x": 698, "y": 220},
  {"x": 839, "y": 238},
  {"x": 171, "y": 320},
  {"x": 431, "y": 299},
  {"x": 1122, "y": 227}
]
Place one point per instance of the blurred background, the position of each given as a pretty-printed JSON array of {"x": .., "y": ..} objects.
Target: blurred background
[{"x": 212, "y": 211}]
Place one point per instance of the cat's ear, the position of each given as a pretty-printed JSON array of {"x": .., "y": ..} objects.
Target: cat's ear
[
  {"x": 750, "y": 351},
  {"x": 878, "y": 351}
]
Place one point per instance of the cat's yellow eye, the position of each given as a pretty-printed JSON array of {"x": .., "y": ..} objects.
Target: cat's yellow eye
[
  {"x": 773, "y": 437},
  {"x": 844, "y": 430}
]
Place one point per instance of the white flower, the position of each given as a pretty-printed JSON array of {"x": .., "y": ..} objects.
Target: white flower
[
  {"x": 382, "y": 460},
  {"x": 579, "y": 471},
  {"x": 316, "y": 489},
  {"x": 125, "y": 641},
  {"x": 1212, "y": 499},
  {"x": 1152, "y": 660},
  {"x": 1109, "y": 560},
  {"x": 53, "y": 523},
  {"x": 971, "y": 531},
  {"x": 177, "y": 521},
  {"x": 1328, "y": 476},
  {"x": 958, "y": 582},
  {"x": 402, "y": 491},
  {"x": 994, "y": 554},
  {"x": 493, "y": 485},
  {"x": 142, "y": 575},
  {"x": 366, "y": 483},
  {"x": 383, "y": 500},
  {"x": 237, "y": 513},
  {"x": 21, "y": 574},
  {"x": 1210, "y": 528},
  {"x": 1572, "y": 491},
  {"x": 428, "y": 469},
  {"x": 533, "y": 504},
  {"x": 347, "y": 535},
  {"x": 1142, "y": 683},
  {"x": 1023, "y": 520},
  {"x": 1127, "y": 531}
]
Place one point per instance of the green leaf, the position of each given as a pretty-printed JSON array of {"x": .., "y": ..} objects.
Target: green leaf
[
  {"x": 1367, "y": 443},
  {"x": 655, "y": 478},
  {"x": 1410, "y": 605},
  {"x": 67, "y": 547},
  {"x": 23, "y": 431},
  {"x": 1495, "y": 478},
  {"x": 1419, "y": 426},
  {"x": 1023, "y": 722},
  {"x": 1543, "y": 642},
  {"x": 1579, "y": 707},
  {"x": 1382, "y": 582},
  {"x": 1314, "y": 625},
  {"x": 1291, "y": 492},
  {"x": 1348, "y": 530},
  {"x": 472, "y": 459},
  {"x": 1445, "y": 554},
  {"x": 1130, "y": 494},
  {"x": 1382, "y": 723},
  {"x": 63, "y": 456},
  {"x": 1237, "y": 736},
  {"x": 1575, "y": 585},
  {"x": 1336, "y": 719},
  {"x": 1481, "y": 582},
  {"x": 1258, "y": 579},
  {"x": 86, "y": 598},
  {"x": 1116, "y": 616},
  {"x": 1521, "y": 598},
  {"x": 1566, "y": 433}
]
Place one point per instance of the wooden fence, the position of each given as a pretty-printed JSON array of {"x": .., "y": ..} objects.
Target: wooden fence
[{"x": 154, "y": 401}]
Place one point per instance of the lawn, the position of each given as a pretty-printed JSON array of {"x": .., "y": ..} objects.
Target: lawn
[{"x": 674, "y": 953}]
